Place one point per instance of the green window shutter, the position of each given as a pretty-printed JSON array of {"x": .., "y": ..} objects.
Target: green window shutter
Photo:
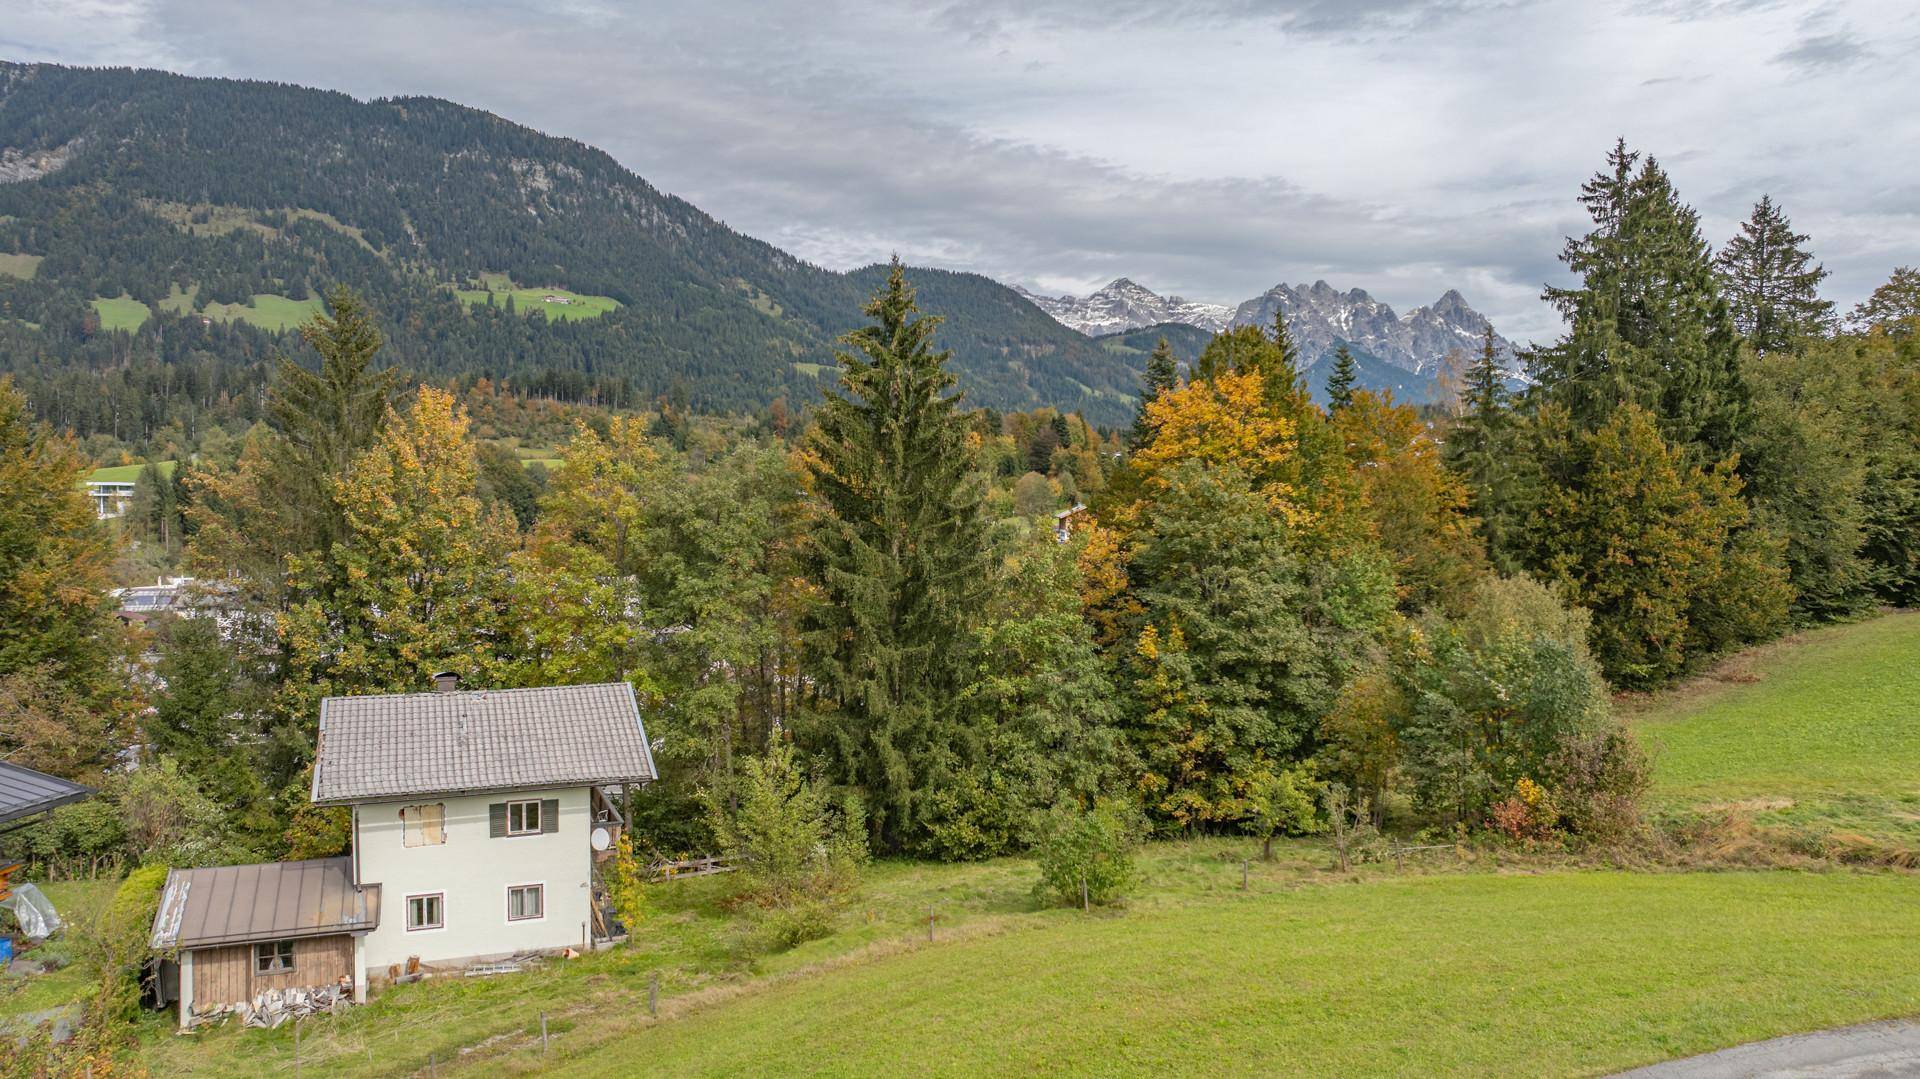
[
  {"x": 549, "y": 815},
  {"x": 497, "y": 819}
]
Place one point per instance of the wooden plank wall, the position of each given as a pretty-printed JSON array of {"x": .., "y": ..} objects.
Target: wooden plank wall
[{"x": 225, "y": 975}]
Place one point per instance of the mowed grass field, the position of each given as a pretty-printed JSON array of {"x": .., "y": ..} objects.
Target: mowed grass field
[
  {"x": 127, "y": 473},
  {"x": 1821, "y": 732}
]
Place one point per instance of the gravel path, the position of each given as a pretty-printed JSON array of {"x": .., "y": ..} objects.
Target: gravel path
[{"x": 1868, "y": 1051}]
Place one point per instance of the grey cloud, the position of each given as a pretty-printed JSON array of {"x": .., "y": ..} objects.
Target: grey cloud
[
  {"x": 1403, "y": 146},
  {"x": 1823, "y": 51}
]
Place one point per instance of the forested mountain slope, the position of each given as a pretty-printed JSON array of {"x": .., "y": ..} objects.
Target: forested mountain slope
[{"x": 198, "y": 214}]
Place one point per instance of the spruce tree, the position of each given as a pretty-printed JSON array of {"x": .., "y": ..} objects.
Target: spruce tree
[
  {"x": 1772, "y": 284},
  {"x": 1340, "y": 383},
  {"x": 1162, "y": 375},
  {"x": 1477, "y": 447},
  {"x": 1648, "y": 324},
  {"x": 900, "y": 563}
]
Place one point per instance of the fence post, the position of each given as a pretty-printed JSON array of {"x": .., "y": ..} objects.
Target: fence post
[
  {"x": 296, "y": 1046},
  {"x": 929, "y": 922},
  {"x": 543, "y": 1032},
  {"x": 1083, "y": 892},
  {"x": 653, "y": 995},
  {"x": 1243, "y": 874}
]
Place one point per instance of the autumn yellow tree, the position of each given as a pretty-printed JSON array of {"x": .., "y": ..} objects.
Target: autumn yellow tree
[
  {"x": 1414, "y": 508},
  {"x": 417, "y": 581}
]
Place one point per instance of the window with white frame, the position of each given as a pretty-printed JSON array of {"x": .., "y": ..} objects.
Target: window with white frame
[
  {"x": 526, "y": 902},
  {"x": 426, "y": 911},
  {"x": 273, "y": 957},
  {"x": 523, "y": 818}
]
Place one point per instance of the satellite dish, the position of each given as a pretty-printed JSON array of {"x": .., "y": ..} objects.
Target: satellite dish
[{"x": 602, "y": 839}]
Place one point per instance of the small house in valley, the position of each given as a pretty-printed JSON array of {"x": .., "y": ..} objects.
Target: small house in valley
[{"x": 478, "y": 823}]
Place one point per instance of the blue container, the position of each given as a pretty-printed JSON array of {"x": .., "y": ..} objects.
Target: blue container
[{"x": 6, "y": 950}]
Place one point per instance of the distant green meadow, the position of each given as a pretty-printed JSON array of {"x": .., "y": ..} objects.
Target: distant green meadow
[
  {"x": 555, "y": 303},
  {"x": 268, "y": 311},
  {"x": 19, "y": 265},
  {"x": 126, "y": 473}
]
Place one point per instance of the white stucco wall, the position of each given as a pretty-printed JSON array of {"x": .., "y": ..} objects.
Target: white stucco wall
[{"x": 473, "y": 870}]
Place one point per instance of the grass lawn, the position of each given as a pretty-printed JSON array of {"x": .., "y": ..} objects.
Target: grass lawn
[
  {"x": 127, "y": 473},
  {"x": 576, "y": 306},
  {"x": 122, "y": 313},
  {"x": 21, "y": 994},
  {"x": 19, "y": 265},
  {"x": 267, "y": 311},
  {"x": 1565, "y": 973},
  {"x": 1820, "y": 731}
]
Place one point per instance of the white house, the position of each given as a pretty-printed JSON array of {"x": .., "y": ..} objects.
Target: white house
[
  {"x": 479, "y": 819},
  {"x": 481, "y": 815},
  {"x": 110, "y": 497}
]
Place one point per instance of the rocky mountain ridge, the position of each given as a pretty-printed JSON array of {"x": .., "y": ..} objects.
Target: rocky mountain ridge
[{"x": 1319, "y": 315}]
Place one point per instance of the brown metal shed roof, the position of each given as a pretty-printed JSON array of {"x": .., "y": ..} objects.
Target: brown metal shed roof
[
  {"x": 475, "y": 741},
  {"x": 232, "y": 904}
]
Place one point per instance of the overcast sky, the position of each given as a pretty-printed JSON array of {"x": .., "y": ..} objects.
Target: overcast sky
[{"x": 1209, "y": 148}]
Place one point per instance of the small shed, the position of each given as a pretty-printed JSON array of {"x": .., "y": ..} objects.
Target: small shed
[{"x": 240, "y": 930}]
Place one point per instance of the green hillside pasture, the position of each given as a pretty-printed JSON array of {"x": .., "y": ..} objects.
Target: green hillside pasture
[
  {"x": 1556, "y": 974},
  {"x": 267, "y": 311},
  {"x": 122, "y": 313},
  {"x": 1818, "y": 732},
  {"x": 127, "y": 473},
  {"x": 566, "y": 306},
  {"x": 19, "y": 265}
]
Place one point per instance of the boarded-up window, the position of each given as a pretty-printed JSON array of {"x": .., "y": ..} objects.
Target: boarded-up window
[{"x": 426, "y": 825}]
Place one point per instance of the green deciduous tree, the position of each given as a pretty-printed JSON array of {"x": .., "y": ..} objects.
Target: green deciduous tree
[
  {"x": 1893, "y": 307},
  {"x": 1655, "y": 546}
]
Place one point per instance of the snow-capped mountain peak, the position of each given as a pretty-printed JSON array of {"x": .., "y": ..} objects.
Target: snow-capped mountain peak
[{"x": 1126, "y": 305}]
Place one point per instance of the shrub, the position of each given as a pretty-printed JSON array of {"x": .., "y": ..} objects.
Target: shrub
[
  {"x": 1090, "y": 849},
  {"x": 1528, "y": 815},
  {"x": 1282, "y": 803},
  {"x": 1599, "y": 781},
  {"x": 778, "y": 928},
  {"x": 789, "y": 842},
  {"x": 625, "y": 885}
]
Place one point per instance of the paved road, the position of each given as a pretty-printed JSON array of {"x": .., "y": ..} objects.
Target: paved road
[{"x": 1868, "y": 1051}]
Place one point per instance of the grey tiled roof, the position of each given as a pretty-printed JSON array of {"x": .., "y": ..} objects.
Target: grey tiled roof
[
  {"x": 25, "y": 792},
  {"x": 471, "y": 741},
  {"x": 230, "y": 904}
]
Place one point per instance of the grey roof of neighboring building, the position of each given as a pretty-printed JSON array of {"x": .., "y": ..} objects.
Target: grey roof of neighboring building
[
  {"x": 234, "y": 904},
  {"x": 25, "y": 792},
  {"x": 474, "y": 741}
]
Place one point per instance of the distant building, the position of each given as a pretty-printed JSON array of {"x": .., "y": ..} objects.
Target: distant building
[
  {"x": 182, "y": 597},
  {"x": 1065, "y": 521},
  {"x": 110, "y": 497}
]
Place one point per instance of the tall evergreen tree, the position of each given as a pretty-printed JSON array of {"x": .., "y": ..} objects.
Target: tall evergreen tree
[
  {"x": 1648, "y": 324},
  {"x": 1477, "y": 449},
  {"x": 1162, "y": 375},
  {"x": 900, "y": 563},
  {"x": 1340, "y": 382},
  {"x": 279, "y": 503},
  {"x": 1772, "y": 283}
]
